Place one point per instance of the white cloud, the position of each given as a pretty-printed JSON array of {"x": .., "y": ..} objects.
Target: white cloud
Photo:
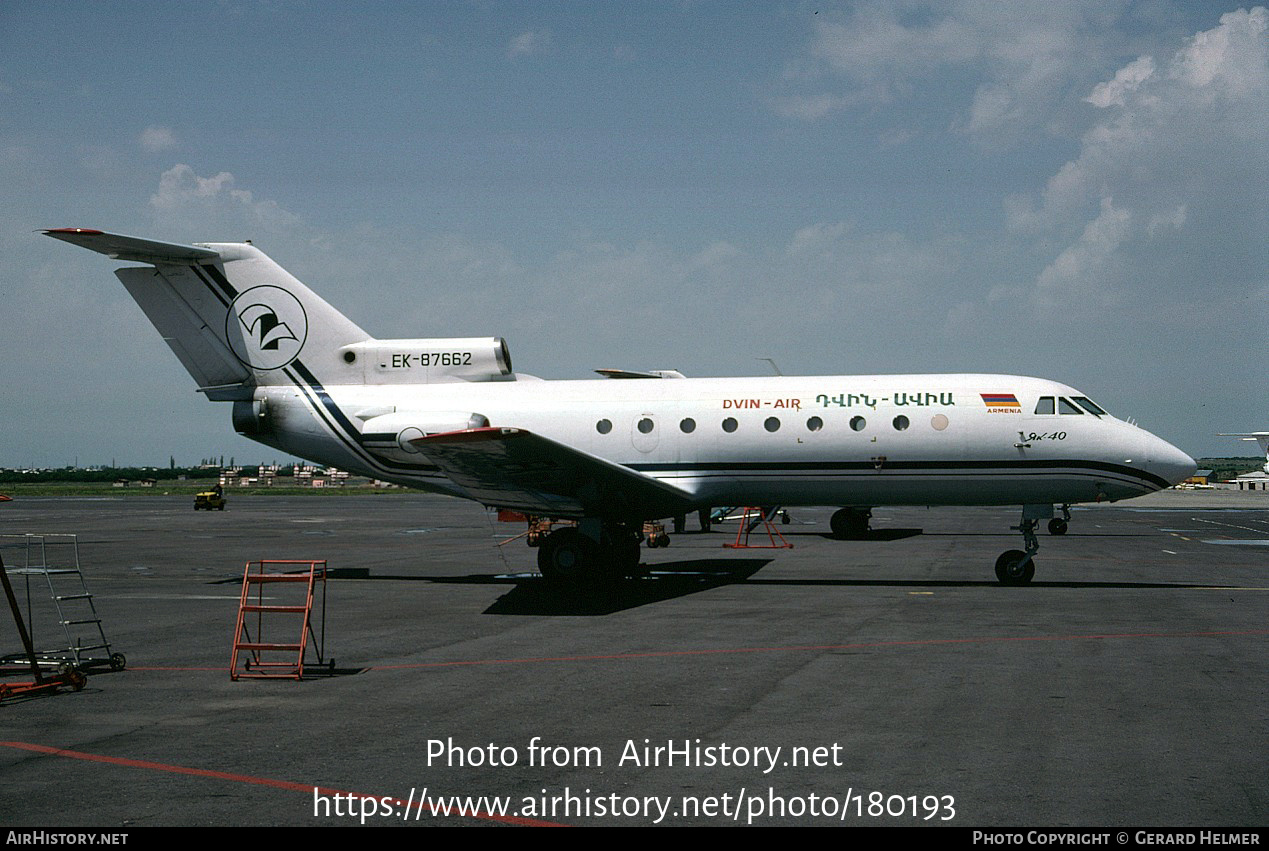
[
  {"x": 1082, "y": 275},
  {"x": 530, "y": 43},
  {"x": 215, "y": 202},
  {"x": 1019, "y": 60},
  {"x": 179, "y": 186},
  {"x": 155, "y": 138},
  {"x": 807, "y": 107},
  {"x": 819, "y": 238},
  {"x": 1127, "y": 80},
  {"x": 1173, "y": 219},
  {"x": 872, "y": 45},
  {"x": 1230, "y": 59},
  {"x": 1180, "y": 147}
]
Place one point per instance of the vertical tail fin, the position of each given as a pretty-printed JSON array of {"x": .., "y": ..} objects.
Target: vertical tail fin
[{"x": 233, "y": 317}]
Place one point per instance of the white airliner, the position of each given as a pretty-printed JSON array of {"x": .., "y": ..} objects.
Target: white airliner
[
  {"x": 450, "y": 415},
  {"x": 1261, "y": 437}
]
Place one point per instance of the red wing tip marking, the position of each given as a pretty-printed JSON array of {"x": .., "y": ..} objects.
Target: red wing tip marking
[
  {"x": 470, "y": 435},
  {"x": 89, "y": 231}
]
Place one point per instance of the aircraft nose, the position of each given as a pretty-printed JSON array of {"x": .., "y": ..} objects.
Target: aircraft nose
[{"x": 1170, "y": 463}]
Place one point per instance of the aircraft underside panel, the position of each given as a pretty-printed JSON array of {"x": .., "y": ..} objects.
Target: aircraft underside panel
[{"x": 910, "y": 488}]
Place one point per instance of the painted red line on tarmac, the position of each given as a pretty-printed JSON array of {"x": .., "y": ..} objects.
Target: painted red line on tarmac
[
  {"x": 791, "y": 648},
  {"x": 655, "y": 654},
  {"x": 255, "y": 781},
  {"x": 178, "y": 668}
]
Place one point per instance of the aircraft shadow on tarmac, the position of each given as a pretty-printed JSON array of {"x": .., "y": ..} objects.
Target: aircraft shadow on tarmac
[
  {"x": 534, "y": 596},
  {"x": 872, "y": 535},
  {"x": 668, "y": 580}
]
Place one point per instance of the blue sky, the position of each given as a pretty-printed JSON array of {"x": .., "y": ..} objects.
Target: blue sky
[{"x": 1073, "y": 190}]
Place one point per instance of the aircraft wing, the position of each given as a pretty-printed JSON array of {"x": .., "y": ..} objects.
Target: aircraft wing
[{"x": 514, "y": 468}]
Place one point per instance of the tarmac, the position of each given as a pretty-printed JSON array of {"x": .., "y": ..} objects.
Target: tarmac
[{"x": 882, "y": 681}]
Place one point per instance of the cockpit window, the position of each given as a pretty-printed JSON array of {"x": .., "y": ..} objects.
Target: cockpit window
[
  {"x": 1065, "y": 407},
  {"x": 1088, "y": 405},
  {"x": 1045, "y": 405}
]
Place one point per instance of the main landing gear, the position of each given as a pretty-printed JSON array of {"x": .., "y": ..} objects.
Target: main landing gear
[
  {"x": 589, "y": 552},
  {"x": 850, "y": 523}
]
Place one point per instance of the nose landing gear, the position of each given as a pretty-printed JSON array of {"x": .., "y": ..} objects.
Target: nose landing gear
[
  {"x": 1017, "y": 567},
  {"x": 1058, "y": 525}
]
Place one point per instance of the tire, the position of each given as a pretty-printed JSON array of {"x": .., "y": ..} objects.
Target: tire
[
  {"x": 1057, "y": 526},
  {"x": 848, "y": 523},
  {"x": 1015, "y": 568},
  {"x": 567, "y": 557}
]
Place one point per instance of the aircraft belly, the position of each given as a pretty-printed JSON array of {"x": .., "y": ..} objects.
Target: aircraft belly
[{"x": 910, "y": 487}]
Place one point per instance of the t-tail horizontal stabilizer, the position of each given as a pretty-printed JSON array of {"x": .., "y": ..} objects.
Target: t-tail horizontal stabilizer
[
  {"x": 235, "y": 319},
  {"x": 120, "y": 247}
]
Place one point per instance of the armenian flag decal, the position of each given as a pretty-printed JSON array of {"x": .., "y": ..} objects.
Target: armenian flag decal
[{"x": 1001, "y": 403}]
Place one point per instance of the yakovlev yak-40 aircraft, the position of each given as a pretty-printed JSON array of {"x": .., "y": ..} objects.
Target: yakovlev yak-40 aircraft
[{"x": 450, "y": 415}]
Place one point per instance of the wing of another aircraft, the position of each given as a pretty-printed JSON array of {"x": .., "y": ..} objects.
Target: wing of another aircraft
[{"x": 513, "y": 468}]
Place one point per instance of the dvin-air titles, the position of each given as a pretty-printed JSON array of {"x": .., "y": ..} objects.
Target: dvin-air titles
[
  {"x": 997, "y": 403},
  {"x": 864, "y": 400}
]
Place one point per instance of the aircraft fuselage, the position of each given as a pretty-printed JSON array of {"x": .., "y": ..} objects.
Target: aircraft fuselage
[{"x": 958, "y": 439}]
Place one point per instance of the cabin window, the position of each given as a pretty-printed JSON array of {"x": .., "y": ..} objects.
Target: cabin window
[
  {"x": 1065, "y": 407},
  {"x": 901, "y": 423},
  {"x": 603, "y": 426},
  {"x": 771, "y": 424},
  {"x": 814, "y": 424},
  {"x": 1088, "y": 405},
  {"x": 730, "y": 425},
  {"x": 645, "y": 426},
  {"x": 858, "y": 423},
  {"x": 1045, "y": 405},
  {"x": 688, "y": 425}
]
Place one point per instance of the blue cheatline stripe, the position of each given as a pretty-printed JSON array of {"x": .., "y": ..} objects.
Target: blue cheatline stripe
[
  {"x": 896, "y": 468},
  {"x": 337, "y": 421}
]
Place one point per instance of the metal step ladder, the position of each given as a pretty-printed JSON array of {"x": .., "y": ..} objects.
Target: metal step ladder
[
  {"x": 750, "y": 518},
  {"x": 56, "y": 559},
  {"x": 293, "y": 619}
]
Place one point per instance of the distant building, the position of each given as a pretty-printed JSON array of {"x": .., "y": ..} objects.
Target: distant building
[{"x": 1258, "y": 480}]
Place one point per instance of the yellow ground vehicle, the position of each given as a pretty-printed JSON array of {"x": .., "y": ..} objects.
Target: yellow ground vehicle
[{"x": 207, "y": 500}]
